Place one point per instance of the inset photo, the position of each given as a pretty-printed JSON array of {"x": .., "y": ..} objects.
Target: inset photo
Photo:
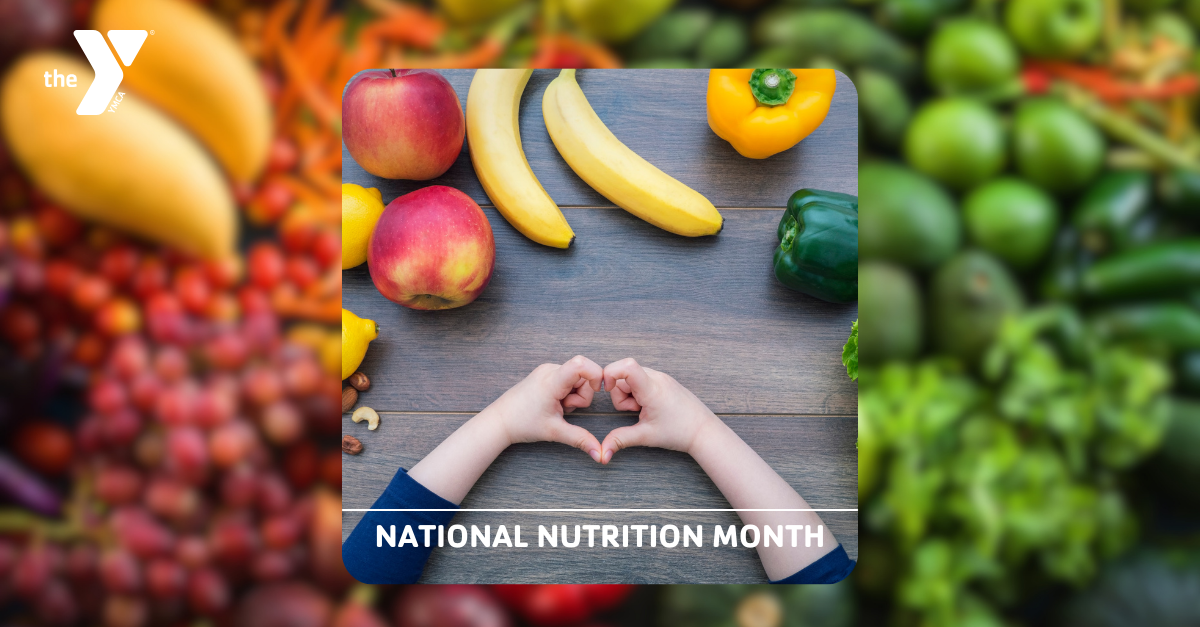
[{"x": 600, "y": 326}]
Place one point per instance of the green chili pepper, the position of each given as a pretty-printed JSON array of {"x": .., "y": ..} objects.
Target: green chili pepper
[
  {"x": 1165, "y": 268},
  {"x": 1173, "y": 325},
  {"x": 1109, "y": 210},
  {"x": 1179, "y": 191},
  {"x": 818, "y": 245}
]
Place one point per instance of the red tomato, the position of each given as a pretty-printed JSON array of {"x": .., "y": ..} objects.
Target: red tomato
[
  {"x": 327, "y": 248},
  {"x": 58, "y": 227},
  {"x": 301, "y": 271},
  {"x": 193, "y": 289},
  {"x": 560, "y": 605},
  {"x": 119, "y": 264},
  {"x": 44, "y": 446},
  {"x": 265, "y": 265}
]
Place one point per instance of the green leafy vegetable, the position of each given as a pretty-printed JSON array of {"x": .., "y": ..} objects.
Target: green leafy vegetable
[
  {"x": 850, "y": 353},
  {"x": 982, "y": 486}
]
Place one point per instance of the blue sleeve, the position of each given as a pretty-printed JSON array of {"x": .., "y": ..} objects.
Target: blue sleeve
[
  {"x": 369, "y": 562},
  {"x": 833, "y": 567}
]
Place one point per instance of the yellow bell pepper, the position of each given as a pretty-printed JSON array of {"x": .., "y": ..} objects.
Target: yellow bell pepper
[{"x": 765, "y": 112}]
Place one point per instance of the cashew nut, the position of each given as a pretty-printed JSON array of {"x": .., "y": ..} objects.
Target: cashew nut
[{"x": 368, "y": 414}]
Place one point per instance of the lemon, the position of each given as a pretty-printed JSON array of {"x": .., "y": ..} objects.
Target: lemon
[
  {"x": 361, "y": 208},
  {"x": 356, "y": 334}
]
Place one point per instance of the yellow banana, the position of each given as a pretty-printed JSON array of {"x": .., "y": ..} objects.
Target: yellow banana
[
  {"x": 194, "y": 70},
  {"x": 133, "y": 168},
  {"x": 494, "y": 136},
  {"x": 618, "y": 173}
]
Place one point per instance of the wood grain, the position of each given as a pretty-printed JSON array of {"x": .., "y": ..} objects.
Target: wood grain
[
  {"x": 708, "y": 311},
  {"x": 661, "y": 115},
  {"x": 816, "y": 455}
]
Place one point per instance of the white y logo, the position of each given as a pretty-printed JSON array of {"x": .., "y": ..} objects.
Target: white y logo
[{"x": 108, "y": 73}]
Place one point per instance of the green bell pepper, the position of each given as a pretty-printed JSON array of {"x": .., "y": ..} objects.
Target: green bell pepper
[{"x": 818, "y": 245}]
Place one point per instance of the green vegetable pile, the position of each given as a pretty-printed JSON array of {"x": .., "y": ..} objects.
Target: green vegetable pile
[
  {"x": 1030, "y": 263},
  {"x": 981, "y": 485}
]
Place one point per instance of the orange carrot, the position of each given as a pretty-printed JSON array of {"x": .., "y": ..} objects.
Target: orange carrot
[
  {"x": 310, "y": 19},
  {"x": 408, "y": 25},
  {"x": 312, "y": 95},
  {"x": 275, "y": 26}
]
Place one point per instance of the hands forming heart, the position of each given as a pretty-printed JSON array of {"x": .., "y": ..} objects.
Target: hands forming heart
[{"x": 670, "y": 416}]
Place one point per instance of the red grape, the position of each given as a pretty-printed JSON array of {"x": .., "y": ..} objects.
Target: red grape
[
  {"x": 146, "y": 538},
  {"x": 120, "y": 572},
  {"x": 302, "y": 377},
  {"x": 172, "y": 499},
  {"x": 33, "y": 569},
  {"x": 165, "y": 578},
  {"x": 227, "y": 351},
  {"x": 171, "y": 364},
  {"x": 125, "y": 611},
  {"x": 129, "y": 358},
  {"x": 20, "y": 324},
  {"x": 81, "y": 562},
  {"x": 55, "y": 604},
  {"x": 272, "y": 566},
  {"x": 274, "y": 495},
  {"x": 300, "y": 464},
  {"x": 231, "y": 443},
  {"x": 262, "y": 385},
  {"x": 284, "y": 604},
  {"x": 107, "y": 396},
  {"x": 144, "y": 390},
  {"x": 215, "y": 406},
  {"x": 118, "y": 485},
  {"x": 28, "y": 276},
  {"x": 192, "y": 551},
  {"x": 89, "y": 434},
  {"x": 187, "y": 453},
  {"x": 261, "y": 331},
  {"x": 281, "y": 531},
  {"x": 165, "y": 319},
  {"x": 176, "y": 405},
  {"x": 331, "y": 469},
  {"x": 232, "y": 541},
  {"x": 150, "y": 448},
  {"x": 207, "y": 592},
  {"x": 281, "y": 423},
  {"x": 120, "y": 428}
]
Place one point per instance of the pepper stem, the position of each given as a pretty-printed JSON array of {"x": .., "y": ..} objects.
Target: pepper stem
[
  {"x": 772, "y": 87},
  {"x": 790, "y": 231}
]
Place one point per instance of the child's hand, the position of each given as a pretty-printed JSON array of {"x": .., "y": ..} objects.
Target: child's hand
[
  {"x": 671, "y": 416},
  {"x": 532, "y": 410}
]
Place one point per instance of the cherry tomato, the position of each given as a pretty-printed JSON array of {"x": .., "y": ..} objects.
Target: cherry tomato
[
  {"x": 282, "y": 155},
  {"x": 265, "y": 265},
  {"x": 327, "y": 248},
  {"x": 119, "y": 264},
  {"x": 270, "y": 203},
  {"x": 150, "y": 277},
  {"x": 958, "y": 141},
  {"x": 20, "y": 324},
  {"x": 301, "y": 271},
  {"x": 118, "y": 316},
  {"x": 193, "y": 289},
  {"x": 1056, "y": 29},
  {"x": 44, "y": 446},
  {"x": 61, "y": 277}
]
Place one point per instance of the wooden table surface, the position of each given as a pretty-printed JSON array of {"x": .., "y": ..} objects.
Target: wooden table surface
[{"x": 707, "y": 310}]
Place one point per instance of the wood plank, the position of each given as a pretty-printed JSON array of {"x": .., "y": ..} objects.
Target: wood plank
[
  {"x": 816, "y": 455},
  {"x": 708, "y": 311},
  {"x": 661, "y": 115}
]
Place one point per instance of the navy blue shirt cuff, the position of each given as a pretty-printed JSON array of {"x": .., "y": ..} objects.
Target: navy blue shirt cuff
[
  {"x": 370, "y": 563},
  {"x": 833, "y": 567}
]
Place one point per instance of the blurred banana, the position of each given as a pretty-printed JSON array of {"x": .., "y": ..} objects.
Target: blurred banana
[
  {"x": 193, "y": 69},
  {"x": 618, "y": 173},
  {"x": 494, "y": 137},
  {"x": 135, "y": 169}
]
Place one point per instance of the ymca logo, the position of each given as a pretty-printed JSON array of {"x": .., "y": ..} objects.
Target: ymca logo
[{"x": 127, "y": 43}]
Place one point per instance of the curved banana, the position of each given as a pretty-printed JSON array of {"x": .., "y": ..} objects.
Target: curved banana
[
  {"x": 618, "y": 173},
  {"x": 494, "y": 137}
]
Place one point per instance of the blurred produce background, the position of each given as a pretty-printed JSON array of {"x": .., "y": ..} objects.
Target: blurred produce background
[{"x": 1031, "y": 173}]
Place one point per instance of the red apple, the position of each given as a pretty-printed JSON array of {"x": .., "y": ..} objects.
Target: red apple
[
  {"x": 402, "y": 124},
  {"x": 432, "y": 249}
]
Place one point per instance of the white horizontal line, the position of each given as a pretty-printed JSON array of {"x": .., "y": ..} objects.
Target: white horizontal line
[{"x": 599, "y": 510}]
